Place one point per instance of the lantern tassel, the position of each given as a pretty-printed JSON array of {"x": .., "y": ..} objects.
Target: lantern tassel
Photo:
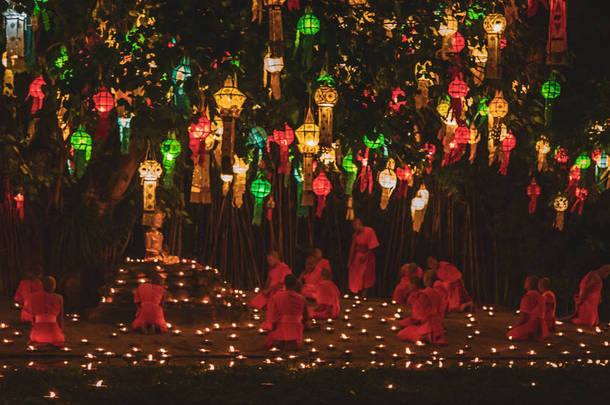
[
  {"x": 320, "y": 206},
  {"x": 103, "y": 126},
  {"x": 258, "y": 212}
]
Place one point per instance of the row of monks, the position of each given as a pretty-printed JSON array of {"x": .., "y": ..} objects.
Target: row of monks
[{"x": 430, "y": 296}]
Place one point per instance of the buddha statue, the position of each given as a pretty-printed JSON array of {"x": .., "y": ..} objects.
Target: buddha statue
[{"x": 154, "y": 242}]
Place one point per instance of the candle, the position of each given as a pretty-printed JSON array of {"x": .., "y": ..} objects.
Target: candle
[
  {"x": 99, "y": 384},
  {"x": 52, "y": 395}
]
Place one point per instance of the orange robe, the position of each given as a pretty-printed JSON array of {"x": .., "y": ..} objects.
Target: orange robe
[
  {"x": 149, "y": 297},
  {"x": 25, "y": 289},
  {"x": 534, "y": 328},
  {"x": 587, "y": 301},
  {"x": 45, "y": 308},
  {"x": 285, "y": 315},
  {"x": 439, "y": 287},
  {"x": 550, "y": 305},
  {"x": 312, "y": 279},
  {"x": 454, "y": 285},
  {"x": 362, "y": 267},
  {"x": 434, "y": 317},
  {"x": 402, "y": 291},
  {"x": 276, "y": 277},
  {"x": 418, "y": 326},
  {"x": 327, "y": 297}
]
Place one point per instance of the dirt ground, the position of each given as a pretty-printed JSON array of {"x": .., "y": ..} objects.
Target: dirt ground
[{"x": 368, "y": 333}]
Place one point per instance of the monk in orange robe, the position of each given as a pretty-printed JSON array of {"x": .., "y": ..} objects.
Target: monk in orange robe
[
  {"x": 425, "y": 321},
  {"x": 286, "y": 312},
  {"x": 439, "y": 287},
  {"x": 312, "y": 275},
  {"x": 458, "y": 298},
  {"x": 327, "y": 298},
  {"x": 361, "y": 262},
  {"x": 531, "y": 325},
  {"x": 404, "y": 287},
  {"x": 436, "y": 315},
  {"x": 550, "y": 304},
  {"x": 589, "y": 297},
  {"x": 29, "y": 285},
  {"x": 47, "y": 309},
  {"x": 275, "y": 280},
  {"x": 149, "y": 299}
]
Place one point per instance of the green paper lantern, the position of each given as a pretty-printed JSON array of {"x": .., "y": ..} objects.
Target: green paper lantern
[
  {"x": 348, "y": 164},
  {"x": 583, "y": 161},
  {"x": 550, "y": 90},
  {"x": 374, "y": 144},
  {"x": 182, "y": 71},
  {"x": 257, "y": 137},
  {"x": 351, "y": 170},
  {"x": 82, "y": 143},
  {"x": 170, "y": 149},
  {"x": 308, "y": 24},
  {"x": 260, "y": 189}
]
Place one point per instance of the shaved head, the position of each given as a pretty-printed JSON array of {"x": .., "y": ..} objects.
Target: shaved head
[
  {"x": 49, "y": 284},
  {"x": 531, "y": 282}
]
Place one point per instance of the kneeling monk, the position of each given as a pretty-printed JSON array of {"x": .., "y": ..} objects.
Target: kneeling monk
[
  {"x": 589, "y": 297},
  {"x": 327, "y": 297},
  {"x": 404, "y": 287},
  {"x": 286, "y": 312},
  {"x": 458, "y": 298},
  {"x": 29, "y": 285},
  {"x": 47, "y": 309},
  {"x": 312, "y": 275},
  {"x": 425, "y": 321},
  {"x": 550, "y": 304},
  {"x": 149, "y": 298},
  {"x": 531, "y": 325},
  {"x": 275, "y": 280}
]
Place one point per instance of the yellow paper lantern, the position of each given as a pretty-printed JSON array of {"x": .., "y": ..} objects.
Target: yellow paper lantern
[
  {"x": 494, "y": 25},
  {"x": 308, "y": 136},
  {"x": 230, "y": 101},
  {"x": 326, "y": 98}
]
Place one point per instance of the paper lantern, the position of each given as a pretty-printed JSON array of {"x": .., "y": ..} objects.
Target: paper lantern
[
  {"x": 424, "y": 78},
  {"x": 494, "y": 25},
  {"x": 180, "y": 74},
  {"x": 229, "y": 101},
  {"x": 389, "y": 24},
  {"x": 15, "y": 24},
  {"x": 19, "y": 201},
  {"x": 257, "y": 137},
  {"x": 374, "y": 143},
  {"x": 82, "y": 144},
  {"x": 124, "y": 132},
  {"x": 479, "y": 54},
  {"x": 557, "y": 43},
  {"x": 498, "y": 107},
  {"x": 387, "y": 181},
  {"x": 240, "y": 169},
  {"x": 550, "y": 89},
  {"x": 583, "y": 162},
  {"x": 447, "y": 29},
  {"x": 601, "y": 166},
  {"x": 104, "y": 103},
  {"x": 508, "y": 144},
  {"x": 170, "y": 149},
  {"x": 307, "y": 27},
  {"x": 561, "y": 155},
  {"x": 462, "y": 135},
  {"x": 276, "y": 30},
  {"x": 533, "y": 192},
  {"x": 274, "y": 67},
  {"x": 150, "y": 171},
  {"x": 326, "y": 98},
  {"x": 443, "y": 108},
  {"x": 321, "y": 188},
  {"x": 260, "y": 189},
  {"x": 542, "y": 148},
  {"x": 418, "y": 207},
  {"x": 36, "y": 93},
  {"x": 199, "y": 135},
  {"x": 308, "y": 24},
  {"x": 457, "y": 43},
  {"x": 351, "y": 171},
  {"x": 561, "y": 205},
  {"x": 458, "y": 90},
  {"x": 308, "y": 136},
  {"x": 581, "y": 196},
  {"x": 283, "y": 138}
]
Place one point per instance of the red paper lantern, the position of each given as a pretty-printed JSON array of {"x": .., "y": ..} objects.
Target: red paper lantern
[
  {"x": 509, "y": 142},
  {"x": 283, "y": 138},
  {"x": 457, "y": 42},
  {"x": 37, "y": 94},
  {"x": 458, "y": 88},
  {"x": 462, "y": 135},
  {"x": 533, "y": 192},
  {"x": 321, "y": 188},
  {"x": 104, "y": 101}
]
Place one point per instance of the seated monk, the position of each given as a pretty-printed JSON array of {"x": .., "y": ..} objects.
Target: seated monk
[
  {"x": 531, "y": 325},
  {"x": 404, "y": 287},
  {"x": 439, "y": 287},
  {"x": 29, "y": 285},
  {"x": 589, "y": 297},
  {"x": 327, "y": 298},
  {"x": 458, "y": 298},
  {"x": 149, "y": 299},
  {"x": 275, "y": 280},
  {"x": 286, "y": 312},
  {"x": 47, "y": 309},
  {"x": 550, "y": 304},
  {"x": 437, "y": 313},
  {"x": 312, "y": 275},
  {"x": 424, "y": 323}
]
